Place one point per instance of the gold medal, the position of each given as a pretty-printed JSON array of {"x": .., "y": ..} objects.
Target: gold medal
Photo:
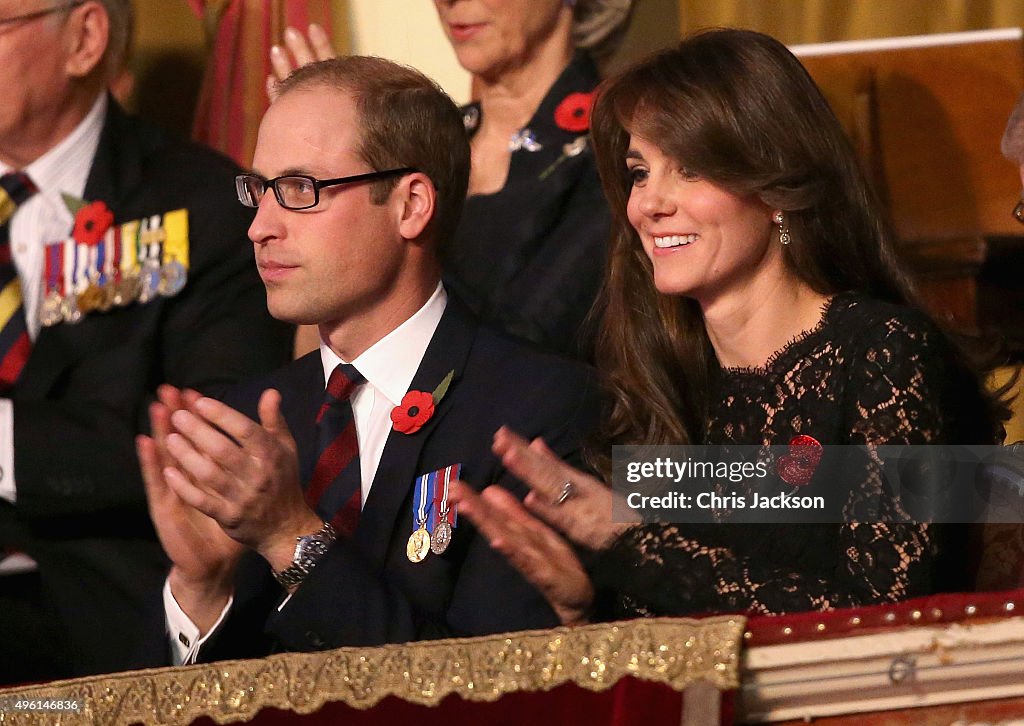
[
  {"x": 418, "y": 546},
  {"x": 90, "y": 299},
  {"x": 126, "y": 290},
  {"x": 109, "y": 291},
  {"x": 441, "y": 538}
]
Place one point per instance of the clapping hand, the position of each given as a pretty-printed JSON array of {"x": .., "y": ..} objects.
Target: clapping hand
[
  {"x": 563, "y": 499},
  {"x": 540, "y": 554},
  {"x": 575, "y": 503},
  {"x": 203, "y": 556}
]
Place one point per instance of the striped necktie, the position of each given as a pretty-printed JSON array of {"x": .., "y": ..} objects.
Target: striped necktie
[
  {"x": 334, "y": 488},
  {"x": 15, "y": 345}
]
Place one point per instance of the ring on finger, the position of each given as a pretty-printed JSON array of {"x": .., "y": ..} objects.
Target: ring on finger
[{"x": 567, "y": 492}]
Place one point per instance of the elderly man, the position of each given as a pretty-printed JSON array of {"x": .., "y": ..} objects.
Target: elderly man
[
  {"x": 321, "y": 519},
  {"x": 122, "y": 266}
]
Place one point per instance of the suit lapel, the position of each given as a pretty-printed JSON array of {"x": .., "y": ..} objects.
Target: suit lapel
[
  {"x": 384, "y": 511},
  {"x": 300, "y": 404}
]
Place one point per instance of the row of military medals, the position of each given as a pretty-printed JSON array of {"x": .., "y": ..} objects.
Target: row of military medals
[
  {"x": 433, "y": 517},
  {"x": 134, "y": 262}
]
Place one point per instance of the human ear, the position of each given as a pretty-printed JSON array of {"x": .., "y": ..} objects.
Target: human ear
[
  {"x": 419, "y": 201},
  {"x": 86, "y": 34}
]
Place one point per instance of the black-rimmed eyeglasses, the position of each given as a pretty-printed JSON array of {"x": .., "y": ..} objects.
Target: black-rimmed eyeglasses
[
  {"x": 25, "y": 17},
  {"x": 1018, "y": 211},
  {"x": 298, "y": 191}
]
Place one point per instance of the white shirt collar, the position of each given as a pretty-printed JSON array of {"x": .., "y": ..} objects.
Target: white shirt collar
[
  {"x": 62, "y": 167},
  {"x": 390, "y": 363}
]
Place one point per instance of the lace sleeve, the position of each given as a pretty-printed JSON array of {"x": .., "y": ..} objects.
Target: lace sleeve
[
  {"x": 895, "y": 392},
  {"x": 893, "y": 395}
]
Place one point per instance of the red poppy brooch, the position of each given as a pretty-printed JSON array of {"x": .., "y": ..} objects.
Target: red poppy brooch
[
  {"x": 417, "y": 407},
  {"x": 573, "y": 113},
  {"x": 92, "y": 220},
  {"x": 799, "y": 465}
]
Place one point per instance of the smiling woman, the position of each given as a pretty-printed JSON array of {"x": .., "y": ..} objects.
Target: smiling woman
[
  {"x": 752, "y": 298},
  {"x": 703, "y": 241}
]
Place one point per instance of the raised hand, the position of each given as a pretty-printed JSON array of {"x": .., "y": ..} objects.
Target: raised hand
[
  {"x": 203, "y": 556},
  {"x": 243, "y": 474},
  {"x": 573, "y": 502},
  {"x": 298, "y": 50},
  {"x": 543, "y": 557}
]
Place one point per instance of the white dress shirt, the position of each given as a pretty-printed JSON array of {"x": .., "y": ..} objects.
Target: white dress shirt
[
  {"x": 42, "y": 219},
  {"x": 388, "y": 366}
]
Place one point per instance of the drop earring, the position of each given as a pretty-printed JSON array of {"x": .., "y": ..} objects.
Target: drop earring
[{"x": 780, "y": 219}]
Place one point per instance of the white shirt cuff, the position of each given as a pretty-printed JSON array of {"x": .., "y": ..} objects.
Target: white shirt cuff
[
  {"x": 7, "y": 490},
  {"x": 183, "y": 633}
]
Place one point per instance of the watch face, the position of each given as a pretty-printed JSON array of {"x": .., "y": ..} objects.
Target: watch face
[{"x": 311, "y": 546}]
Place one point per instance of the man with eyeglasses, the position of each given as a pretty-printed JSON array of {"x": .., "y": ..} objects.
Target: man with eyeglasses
[
  {"x": 123, "y": 264},
  {"x": 309, "y": 519}
]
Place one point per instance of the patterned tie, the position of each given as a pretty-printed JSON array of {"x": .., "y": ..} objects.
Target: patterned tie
[
  {"x": 334, "y": 487},
  {"x": 15, "y": 346}
]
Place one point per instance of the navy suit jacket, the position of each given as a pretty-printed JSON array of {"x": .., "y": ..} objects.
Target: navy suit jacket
[
  {"x": 365, "y": 591},
  {"x": 83, "y": 395}
]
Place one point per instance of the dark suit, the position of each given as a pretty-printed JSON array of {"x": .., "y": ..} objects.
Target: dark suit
[
  {"x": 365, "y": 591},
  {"x": 84, "y": 393}
]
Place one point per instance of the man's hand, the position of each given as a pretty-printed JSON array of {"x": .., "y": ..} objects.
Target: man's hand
[
  {"x": 203, "y": 557},
  {"x": 242, "y": 474}
]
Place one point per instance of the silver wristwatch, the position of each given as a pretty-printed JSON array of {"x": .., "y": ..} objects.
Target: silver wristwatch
[{"x": 308, "y": 551}]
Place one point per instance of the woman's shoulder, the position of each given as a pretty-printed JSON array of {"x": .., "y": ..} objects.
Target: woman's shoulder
[
  {"x": 864, "y": 323},
  {"x": 905, "y": 375}
]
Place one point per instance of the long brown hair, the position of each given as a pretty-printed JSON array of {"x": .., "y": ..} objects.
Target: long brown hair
[{"x": 738, "y": 109}]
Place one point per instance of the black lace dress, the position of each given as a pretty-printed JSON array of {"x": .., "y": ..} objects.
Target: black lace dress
[{"x": 869, "y": 373}]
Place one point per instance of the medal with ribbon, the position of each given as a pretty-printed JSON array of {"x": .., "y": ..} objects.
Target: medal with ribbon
[
  {"x": 102, "y": 265},
  {"x": 69, "y": 304},
  {"x": 50, "y": 310},
  {"x": 444, "y": 514},
  {"x": 418, "y": 546}
]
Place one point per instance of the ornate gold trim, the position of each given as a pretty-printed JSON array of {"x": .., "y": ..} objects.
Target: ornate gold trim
[{"x": 673, "y": 651}]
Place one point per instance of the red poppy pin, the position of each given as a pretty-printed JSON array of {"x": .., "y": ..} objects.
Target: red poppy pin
[
  {"x": 92, "y": 222},
  {"x": 804, "y": 456},
  {"x": 417, "y": 407},
  {"x": 573, "y": 113}
]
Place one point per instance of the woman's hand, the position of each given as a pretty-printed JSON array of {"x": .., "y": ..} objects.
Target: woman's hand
[
  {"x": 573, "y": 502},
  {"x": 543, "y": 557},
  {"x": 298, "y": 51}
]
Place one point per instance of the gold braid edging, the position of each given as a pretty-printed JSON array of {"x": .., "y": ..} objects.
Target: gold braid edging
[{"x": 673, "y": 651}]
